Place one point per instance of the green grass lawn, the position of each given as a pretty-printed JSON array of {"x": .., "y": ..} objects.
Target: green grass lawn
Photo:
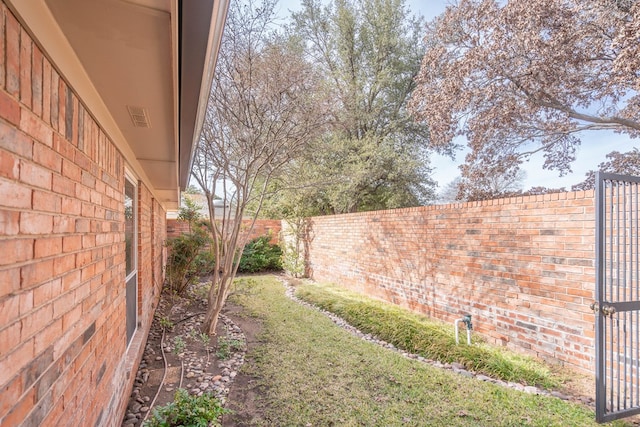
[{"x": 315, "y": 373}]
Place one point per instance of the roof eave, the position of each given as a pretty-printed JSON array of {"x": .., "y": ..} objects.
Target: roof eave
[{"x": 197, "y": 58}]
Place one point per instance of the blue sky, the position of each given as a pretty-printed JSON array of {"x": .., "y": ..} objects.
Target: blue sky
[{"x": 595, "y": 145}]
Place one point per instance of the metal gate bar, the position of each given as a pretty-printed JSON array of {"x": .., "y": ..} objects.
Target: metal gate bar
[{"x": 617, "y": 303}]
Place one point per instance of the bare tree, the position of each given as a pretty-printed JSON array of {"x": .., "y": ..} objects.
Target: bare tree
[
  {"x": 490, "y": 186},
  {"x": 449, "y": 192},
  {"x": 526, "y": 76},
  {"x": 539, "y": 190},
  {"x": 263, "y": 110}
]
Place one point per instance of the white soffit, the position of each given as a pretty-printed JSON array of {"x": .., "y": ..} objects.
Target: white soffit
[{"x": 126, "y": 49}]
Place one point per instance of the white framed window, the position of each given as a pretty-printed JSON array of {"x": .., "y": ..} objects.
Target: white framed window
[{"x": 131, "y": 252}]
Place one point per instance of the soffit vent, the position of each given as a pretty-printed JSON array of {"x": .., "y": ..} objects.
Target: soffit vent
[{"x": 139, "y": 116}]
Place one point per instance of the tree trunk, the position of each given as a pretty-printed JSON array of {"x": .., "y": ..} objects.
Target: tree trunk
[
  {"x": 217, "y": 297},
  {"x": 212, "y": 316}
]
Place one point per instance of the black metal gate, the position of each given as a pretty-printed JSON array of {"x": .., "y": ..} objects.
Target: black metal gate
[{"x": 617, "y": 303}]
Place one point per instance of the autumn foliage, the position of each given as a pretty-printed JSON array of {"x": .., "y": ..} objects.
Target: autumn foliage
[{"x": 525, "y": 76}]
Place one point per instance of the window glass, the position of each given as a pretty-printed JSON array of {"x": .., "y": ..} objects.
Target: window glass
[{"x": 129, "y": 224}]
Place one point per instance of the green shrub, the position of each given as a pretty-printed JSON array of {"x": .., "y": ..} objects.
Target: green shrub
[
  {"x": 187, "y": 257},
  {"x": 205, "y": 262},
  {"x": 260, "y": 255},
  {"x": 189, "y": 212},
  {"x": 178, "y": 345},
  {"x": 187, "y": 410},
  {"x": 181, "y": 263}
]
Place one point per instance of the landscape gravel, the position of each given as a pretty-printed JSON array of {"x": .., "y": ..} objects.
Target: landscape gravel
[
  {"x": 454, "y": 367},
  {"x": 197, "y": 376}
]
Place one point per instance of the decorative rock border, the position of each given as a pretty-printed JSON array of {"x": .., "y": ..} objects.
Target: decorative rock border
[
  {"x": 199, "y": 381},
  {"x": 195, "y": 374},
  {"x": 454, "y": 367}
]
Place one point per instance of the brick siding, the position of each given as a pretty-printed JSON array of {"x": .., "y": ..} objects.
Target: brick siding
[
  {"x": 522, "y": 267},
  {"x": 63, "y": 350},
  {"x": 159, "y": 253}
]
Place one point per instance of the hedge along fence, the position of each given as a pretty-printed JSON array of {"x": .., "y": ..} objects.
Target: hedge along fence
[{"x": 523, "y": 267}]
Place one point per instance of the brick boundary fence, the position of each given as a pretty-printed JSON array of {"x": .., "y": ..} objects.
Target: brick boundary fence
[
  {"x": 522, "y": 267},
  {"x": 261, "y": 227}
]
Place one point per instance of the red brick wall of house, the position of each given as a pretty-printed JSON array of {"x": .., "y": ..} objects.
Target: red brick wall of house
[
  {"x": 522, "y": 267},
  {"x": 63, "y": 349},
  {"x": 159, "y": 252},
  {"x": 146, "y": 294}
]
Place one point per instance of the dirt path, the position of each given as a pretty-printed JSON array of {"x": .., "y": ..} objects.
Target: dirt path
[{"x": 245, "y": 389}]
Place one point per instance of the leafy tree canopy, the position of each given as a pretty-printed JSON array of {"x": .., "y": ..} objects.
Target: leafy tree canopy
[
  {"x": 373, "y": 154},
  {"x": 527, "y": 76}
]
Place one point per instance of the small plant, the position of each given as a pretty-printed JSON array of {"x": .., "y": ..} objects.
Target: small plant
[
  {"x": 292, "y": 249},
  {"x": 187, "y": 410},
  {"x": 223, "y": 351},
  {"x": 205, "y": 338},
  {"x": 226, "y": 346},
  {"x": 178, "y": 345},
  {"x": 292, "y": 260},
  {"x": 166, "y": 323}
]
